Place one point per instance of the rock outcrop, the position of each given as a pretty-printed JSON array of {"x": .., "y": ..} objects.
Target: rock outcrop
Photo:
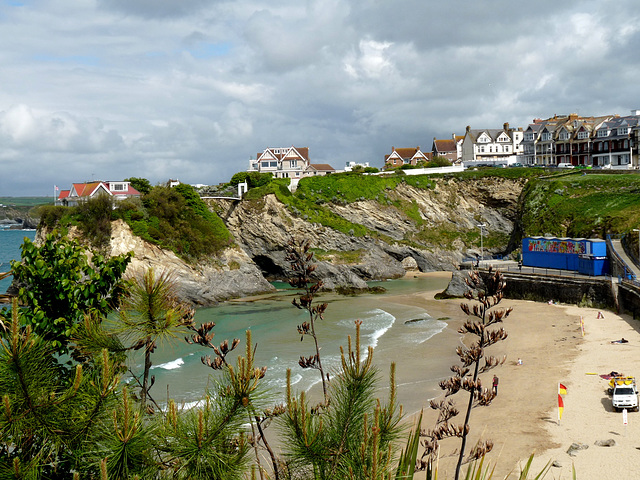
[
  {"x": 263, "y": 227},
  {"x": 231, "y": 274},
  {"x": 430, "y": 229}
]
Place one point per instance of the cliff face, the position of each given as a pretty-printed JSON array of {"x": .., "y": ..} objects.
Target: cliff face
[
  {"x": 429, "y": 229},
  {"x": 232, "y": 274},
  {"x": 399, "y": 240}
]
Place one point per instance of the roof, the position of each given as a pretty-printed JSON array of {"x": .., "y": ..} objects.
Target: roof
[
  {"x": 445, "y": 145},
  {"x": 285, "y": 152},
  {"x": 322, "y": 167},
  {"x": 63, "y": 194},
  {"x": 89, "y": 189},
  {"x": 85, "y": 189}
]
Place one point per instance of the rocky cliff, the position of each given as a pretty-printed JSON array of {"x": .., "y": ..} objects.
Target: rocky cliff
[
  {"x": 231, "y": 274},
  {"x": 442, "y": 233},
  {"x": 426, "y": 229}
]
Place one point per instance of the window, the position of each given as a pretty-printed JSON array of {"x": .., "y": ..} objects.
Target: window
[
  {"x": 273, "y": 164},
  {"x": 626, "y": 144},
  {"x": 605, "y": 146},
  {"x": 482, "y": 149},
  {"x": 583, "y": 134},
  {"x": 506, "y": 148},
  {"x": 528, "y": 137},
  {"x": 623, "y": 131},
  {"x": 117, "y": 187},
  {"x": 294, "y": 163},
  {"x": 546, "y": 136},
  {"x": 564, "y": 136},
  {"x": 603, "y": 132},
  {"x": 264, "y": 164}
]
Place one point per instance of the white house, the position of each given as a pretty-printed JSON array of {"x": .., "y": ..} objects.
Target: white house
[{"x": 494, "y": 146}]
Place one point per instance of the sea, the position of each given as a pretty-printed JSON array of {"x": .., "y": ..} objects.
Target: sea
[
  {"x": 401, "y": 325},
  {"x": 10, "y": 242}
]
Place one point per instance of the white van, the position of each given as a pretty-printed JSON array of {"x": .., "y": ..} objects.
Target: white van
[{"x": 565, "y": 165}]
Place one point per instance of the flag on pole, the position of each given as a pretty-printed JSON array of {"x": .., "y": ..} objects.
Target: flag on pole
[
  {"x": 582, "y": 326},
  {"x": 560, "y": 407},
  {"x": 562, "y": 390}
]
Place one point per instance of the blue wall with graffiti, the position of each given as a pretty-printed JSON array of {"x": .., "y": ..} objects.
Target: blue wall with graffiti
[{"x": 586, "y": 256}]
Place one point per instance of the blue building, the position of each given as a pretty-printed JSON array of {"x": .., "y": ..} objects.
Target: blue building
[{"x": 586, "y": 256}]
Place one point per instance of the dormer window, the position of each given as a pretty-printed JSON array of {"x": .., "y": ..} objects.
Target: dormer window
[
  {"x": 118, "y": 187},
  {"x": 603, "y": 132},
  {"x": 564, "y": 136},
  {"x": 528, "y": 137},
  {"x": 583, "y": 134},
  {"x": 623, "y": 131},
  {"x": 546, "y": 136}
]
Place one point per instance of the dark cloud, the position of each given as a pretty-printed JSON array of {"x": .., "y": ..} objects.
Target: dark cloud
[
  {"x": 192, "y": 89},
  {"x": 156, "y": 8}
]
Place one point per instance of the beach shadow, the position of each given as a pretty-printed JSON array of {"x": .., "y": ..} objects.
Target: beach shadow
[{"x": 606, "y": 404}]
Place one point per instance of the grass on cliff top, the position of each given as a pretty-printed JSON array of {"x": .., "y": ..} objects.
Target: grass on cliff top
[
  {"x": 172, "y": 218},
  {"x": 582, "y": 205},
  {"x": 314, "y": 197}
]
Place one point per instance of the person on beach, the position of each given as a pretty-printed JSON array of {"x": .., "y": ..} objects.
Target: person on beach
[{"x": 495, "y": 385}]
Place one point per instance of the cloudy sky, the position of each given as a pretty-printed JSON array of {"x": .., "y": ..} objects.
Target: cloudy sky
[{"x": 192, "y": 89}]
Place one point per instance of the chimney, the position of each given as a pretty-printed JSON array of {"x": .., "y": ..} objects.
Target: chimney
[
  {"x": 468, "y": 128},
  {"x": 506, "y": 126}
]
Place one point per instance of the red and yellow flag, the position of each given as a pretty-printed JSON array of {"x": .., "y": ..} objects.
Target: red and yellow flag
[
  {"x": 560, "y": 407},
  {"x": 562, "y": 390}
]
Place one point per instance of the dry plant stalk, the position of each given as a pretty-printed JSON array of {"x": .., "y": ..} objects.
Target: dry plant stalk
[{"x": 485, "y": 295}]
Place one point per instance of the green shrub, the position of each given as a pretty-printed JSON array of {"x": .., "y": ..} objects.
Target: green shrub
[{"x": 51, "y": 215}]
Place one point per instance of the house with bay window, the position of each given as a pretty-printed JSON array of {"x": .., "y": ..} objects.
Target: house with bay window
[
  {"x": 500, "y": 146},
  {"x": 615, "y": 142},
  {"x": 561, "y": 139},
  {"x": 288, "y": 162},
  {"x": 405, "y": 156},
  {"x": 80, "y": 192}
]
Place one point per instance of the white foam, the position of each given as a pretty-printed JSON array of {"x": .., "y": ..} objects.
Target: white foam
[
  {"x": 423, "y": 331},
  {"x": 172, "y": 365}
]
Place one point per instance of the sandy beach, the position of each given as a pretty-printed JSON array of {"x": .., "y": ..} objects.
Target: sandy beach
[{"x": 523, "y": 419}]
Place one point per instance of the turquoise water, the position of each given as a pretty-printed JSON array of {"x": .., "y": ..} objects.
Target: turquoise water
[
  {"x": 10, "y": 242},
  {"x": 423, "y": 351}
]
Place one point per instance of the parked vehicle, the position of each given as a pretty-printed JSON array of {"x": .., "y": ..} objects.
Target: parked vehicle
[
  {"x": 624, "y": 393},
  {"x": 565, "y": 165}
]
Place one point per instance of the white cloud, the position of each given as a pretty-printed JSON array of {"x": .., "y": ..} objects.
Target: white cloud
[{"x": 191, "y": 89}]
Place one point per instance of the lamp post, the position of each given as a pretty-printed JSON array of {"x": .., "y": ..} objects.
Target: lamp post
[
  {"x": 481, "y": 225},
  {"x": 638, "y": 230}
]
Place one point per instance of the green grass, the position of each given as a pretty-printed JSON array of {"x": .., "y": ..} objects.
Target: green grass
[
  {"x": 582, "y": 205},
  {"x": 26, "y": 201}
]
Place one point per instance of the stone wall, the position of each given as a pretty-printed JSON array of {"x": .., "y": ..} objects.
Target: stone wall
[{"x": 592, "y": 292}]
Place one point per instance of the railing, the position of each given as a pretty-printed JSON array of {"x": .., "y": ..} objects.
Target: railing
[{"x": 622, "y": 265}]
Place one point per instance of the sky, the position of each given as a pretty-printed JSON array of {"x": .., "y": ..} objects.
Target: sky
[{"x": 193, "y": 89}]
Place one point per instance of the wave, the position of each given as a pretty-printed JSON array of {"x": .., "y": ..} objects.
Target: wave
[
  {"x": 172, "y": 365},
  {"x": 423, "y": 331},
  {"x": 378, "y": 320}
]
